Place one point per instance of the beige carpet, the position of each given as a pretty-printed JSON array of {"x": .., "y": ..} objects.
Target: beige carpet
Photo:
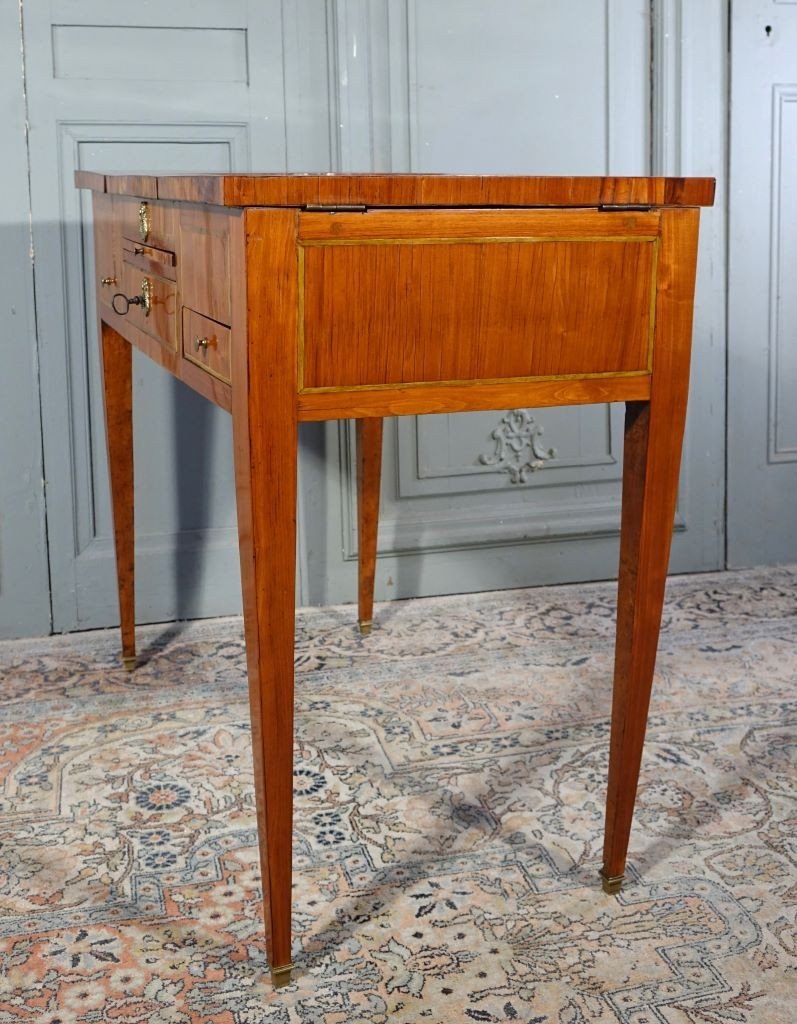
[{"x": 450, "y": 774}]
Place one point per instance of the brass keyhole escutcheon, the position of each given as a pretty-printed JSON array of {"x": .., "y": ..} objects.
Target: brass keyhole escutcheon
[
  {"x": 146, "y": 295},
  {"x": 144, "y": 222},
  {"x": 144, "y": 299}
]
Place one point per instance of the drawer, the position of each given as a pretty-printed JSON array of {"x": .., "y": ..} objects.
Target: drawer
[
  {"x": 148, "y": 221},
  {"x": 149, "y": 259},
  {"x": 206, "y": 344},
  {"x": 161, "y": 321}
]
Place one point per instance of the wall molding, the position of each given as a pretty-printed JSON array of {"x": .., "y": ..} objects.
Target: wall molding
[
  {"x": 81, "y": 378},
  {"x": 689, "y": 76},
  {"x": 779, "y": 449},
  {"x": 666, "y": 87}
]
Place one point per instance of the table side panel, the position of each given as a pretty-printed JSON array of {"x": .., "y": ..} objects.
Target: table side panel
[{"x": 411, "y": 299}]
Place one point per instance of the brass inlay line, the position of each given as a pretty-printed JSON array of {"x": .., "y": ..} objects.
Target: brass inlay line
[
  {"x": 322, "y": 243},
  {"x": 653, "y": 300},
  {"x": 472, "y": 382},
  {"x": 300, "y": 324}
]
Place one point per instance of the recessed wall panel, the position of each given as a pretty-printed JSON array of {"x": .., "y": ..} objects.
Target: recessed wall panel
[
  {"x": 124, "y": 53},
  {"x": 510, "y": 87},
  {"x": 783, "y": 297}
]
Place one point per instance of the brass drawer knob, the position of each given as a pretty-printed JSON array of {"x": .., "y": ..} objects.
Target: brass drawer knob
[{"x": 201, "y": 343}]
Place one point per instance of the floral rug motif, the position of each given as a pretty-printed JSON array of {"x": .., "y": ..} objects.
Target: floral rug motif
[{"x": 450, "y": 778}]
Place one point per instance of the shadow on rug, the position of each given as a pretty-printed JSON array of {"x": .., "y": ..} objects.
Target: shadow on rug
[{"x": 450, "y": 777}]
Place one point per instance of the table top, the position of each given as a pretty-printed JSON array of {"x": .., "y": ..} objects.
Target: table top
[{"x": 400, "y": 190}]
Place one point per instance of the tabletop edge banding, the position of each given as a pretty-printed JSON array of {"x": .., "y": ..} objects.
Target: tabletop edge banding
[{"x": 400, "y": 190}]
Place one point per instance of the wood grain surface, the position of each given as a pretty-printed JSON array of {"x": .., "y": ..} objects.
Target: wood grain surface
[
  {"x": 117, "y": 378},
  {"x": 265, "y": 292},
  {"x": 207, "y": 344},
  {"x": 406, "y": 189},
  {"x": 369, "y": 480},
  {"x": 416, "y": 312},
  {"x": 161, "y": 321},
  {"x": 162, "y": 217},
  {"x": 652, "y": 456},
  {"x": 439, "y": 398},
  {"x": 143, "y": 186},
  {"x": 205, "y": 261},
  {"x": 379, "y": 225},
  {"x": 107, "y": 248}
]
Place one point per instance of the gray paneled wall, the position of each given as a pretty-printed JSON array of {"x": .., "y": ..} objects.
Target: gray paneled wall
[
  {"x": 515, "y": 87},
  {"x": 24, "y": 598},
  {"x": 762, "y": 382},
  {"x": 470, "y": 502},
  {"x": 187, "y": 86}
]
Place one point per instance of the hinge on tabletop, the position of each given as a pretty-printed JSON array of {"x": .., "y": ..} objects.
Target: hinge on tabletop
[
  {"x": 631, "y": 207},
  {"x": 335, "y": 208}
]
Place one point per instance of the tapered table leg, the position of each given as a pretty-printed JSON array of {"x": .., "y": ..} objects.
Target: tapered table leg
[
  {"x": 653, "y": 439},
  {"x": 265, "y": 442},
  {"x": 117, "y": 378},
  {"x": 369, "y": 478}
]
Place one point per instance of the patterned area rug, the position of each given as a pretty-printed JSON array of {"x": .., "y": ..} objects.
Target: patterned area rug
[{"x": 450, "y": 773}]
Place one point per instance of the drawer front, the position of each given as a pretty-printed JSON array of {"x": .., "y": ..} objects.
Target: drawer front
[
  {"x": 148, "y": 222},
  {"x": 206, "y": 344},
  {"x": 149, "y": 259},
  {"x": 161, "y": 321}
]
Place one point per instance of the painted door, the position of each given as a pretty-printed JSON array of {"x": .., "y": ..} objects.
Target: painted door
[
  {"x": 762, "y": 296},
  {"x": 188, "y": 85},
  {"x": 470, "y": 502},
  {"x": 520, "y": 497}
]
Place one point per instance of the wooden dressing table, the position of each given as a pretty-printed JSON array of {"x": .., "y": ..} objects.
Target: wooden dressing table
[{"x": 306, "y": 297}]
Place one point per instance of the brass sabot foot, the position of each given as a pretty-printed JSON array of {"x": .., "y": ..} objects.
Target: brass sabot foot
[
  {"x": 281, "y": 976},
  {"x": 611, "y": 883},
  {"x": 129, "y": 662},
  {"x": 365, "y": 626}
]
